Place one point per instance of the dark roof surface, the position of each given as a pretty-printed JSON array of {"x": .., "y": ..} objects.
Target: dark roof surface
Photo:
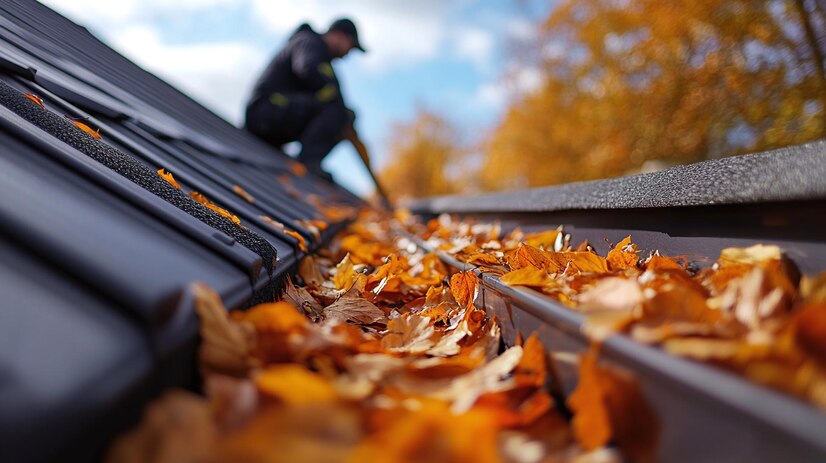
[
  {"x": 793, "y": 173},
  {"x": 98, "y": 252}
]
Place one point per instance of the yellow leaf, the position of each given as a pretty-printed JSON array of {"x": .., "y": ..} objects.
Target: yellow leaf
[{"x": 346, "y": 274}]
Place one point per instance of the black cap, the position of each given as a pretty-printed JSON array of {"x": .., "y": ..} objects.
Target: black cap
[{"x": 349, "y": 29}]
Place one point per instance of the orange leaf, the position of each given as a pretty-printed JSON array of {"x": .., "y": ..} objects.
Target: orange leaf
[
  {"x": 623, "y": 256},
  {"x": 302, "y": 243},
  {"x": 465, "y": 287},
  {"x": 168, "y": 177},
  {"x": 528, "y": 256},
  {"x": 36, "y": 99},
  {"x": 86, "y": 128},
  {"x": 547, "y": 240},
  {"x": 274, "y": 223},
  {"x": 810, "y": 330},
  {"x": 587, "y": 262},
  {"x": 657, "y": 262},
  {"x": 293, "y": 384},
  {"x": 532, "y": 367},
  {"x": 527, "y": 276},
  {"x": 298, "y": 169},
  {"x": 214, "y": 207},
  {"x": 608, "y": 406},
  {"x": 242, "y": 193},
  {"x": 274, "y": 317}
]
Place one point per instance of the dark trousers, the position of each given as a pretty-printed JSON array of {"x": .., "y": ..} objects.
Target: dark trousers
[{"x": 300, "y": 117}]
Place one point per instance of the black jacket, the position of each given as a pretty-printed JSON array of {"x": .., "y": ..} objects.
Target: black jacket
[{"x": 302, "y": 66}]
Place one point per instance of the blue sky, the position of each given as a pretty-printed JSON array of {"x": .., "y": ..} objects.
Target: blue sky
[{"x": 447, "y": 56}]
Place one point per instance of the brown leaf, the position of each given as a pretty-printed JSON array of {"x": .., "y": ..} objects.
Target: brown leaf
[
  {"x": 608, "y": 407},
  {"x": 411, "y": 334},
  {"x": 355, "y": 310},
  {"x": 465, "y": 287},
  {"x": 309, "y": 272},
  {"x": 177, "y": 428},
  {"x": 810, "y": 330},
  {"x": 302, "y": 299},
  {"x": 225, "y": 344},
  {"x": 318, "y": 432}
]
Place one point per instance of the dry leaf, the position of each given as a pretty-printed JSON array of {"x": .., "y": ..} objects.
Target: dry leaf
[
  {"x": 411, "y": 334},
  {"x": 298, "y": 169},
  {"x": 527, "y": 276},
  {"x": 302, "y": 243},
  {"x": 623, "y": 256},
  {"x": 214, "y": 207},
  {"x": 309, "y": 272},
  {"x": 465, "y": 287},
  {"x": 302, "y": 299},
  {"x": 87, "y": 129},
  {"x": 225, "y": 345},
  {"x": 355, "y": 310},
  {"x": 810, "y": 330},
  {"x": 346, "y": 275},
  {"x": 318, "y": 433},
  {"x": 294, "y": 385},
  {"x": 36, "y": 99},
  {"x": 169, "y": 178},
  {"x": 178, "y": 428},
  {"x": 608, "y": 407},
  {"x": 243, "y": 193}
]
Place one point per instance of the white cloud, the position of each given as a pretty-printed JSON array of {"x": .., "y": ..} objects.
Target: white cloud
[
  {"x": 476, "y": 45},
  {"x": 494, "y": 95},
  {"x": 207, "y": 71},
  {"x": 105, "y": 14},
  {"x": 394, "y": 33},
  {"x": 521, "y": 29}
]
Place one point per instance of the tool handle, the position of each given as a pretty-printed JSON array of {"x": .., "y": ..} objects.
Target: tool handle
[{"x": 361, "y": 149}]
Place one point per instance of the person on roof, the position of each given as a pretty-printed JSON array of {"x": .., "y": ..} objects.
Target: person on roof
[{"x": 298, "y": 97}]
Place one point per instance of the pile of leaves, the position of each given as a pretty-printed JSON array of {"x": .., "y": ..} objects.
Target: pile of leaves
[
  {"x": 379, "y": 353},
  {"x": 750, "y": 312}
]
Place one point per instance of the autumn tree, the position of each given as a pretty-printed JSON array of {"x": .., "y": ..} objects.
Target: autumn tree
[
  {"x": 425, "y": 158},
  {"x": 679, "y": 80}
]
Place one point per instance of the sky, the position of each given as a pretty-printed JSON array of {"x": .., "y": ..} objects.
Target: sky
[{"x": 439, "y": 55}]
